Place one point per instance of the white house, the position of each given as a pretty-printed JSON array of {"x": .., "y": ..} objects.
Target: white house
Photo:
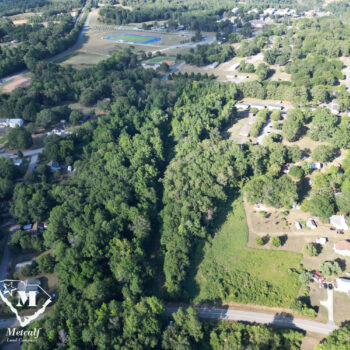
[
  {"x": 342, "y": 285},
  {"x": 241, "y": 105},
  {"x": 11, "y": 123},
  {"x": 297, "y": 225},
  {"x": 17, "y": 162},
  {"x": 342, "y": 248},
  {"x": 316, "y": 165},
  {"x": 22, "y": 264},
  {"x": 339, "y": 222},
  {"x": 321, "y": 240},
  {"x": 310, "y": 223}
]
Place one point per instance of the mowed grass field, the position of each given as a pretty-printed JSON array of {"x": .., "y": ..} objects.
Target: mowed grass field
[
  {"x": 133, "y": 38},
  {"x": 161, "y": 59},
  {"x": 226, "y": 270}
]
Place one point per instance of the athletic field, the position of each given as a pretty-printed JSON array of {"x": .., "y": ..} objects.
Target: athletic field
[{"x": 133, "y": 38}]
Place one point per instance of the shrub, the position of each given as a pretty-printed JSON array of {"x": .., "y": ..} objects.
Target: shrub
[
  {"x": 259, "y": 240},
  {"x": 276, "y": 241},
  {"x": 75, "y": 116},
  {"x": 275, "y": 115},
  {"x": 254, "y": 110},
  {"x": 259, "y": 122},
  {"x": 263, "y": 213},
  {"x": 301, "y": 306},
  {"x": 311, "y": 249},
  {"x": 276, "y": 126},
  {"x": 296, "y": 172},
  {"x": 330, "y": 268},
  {"x": 45, "y": 263},
  {"x": 306, "y": 277},
  {"x": 19, "y": 138},
  {"x": 323, "y": 153}
]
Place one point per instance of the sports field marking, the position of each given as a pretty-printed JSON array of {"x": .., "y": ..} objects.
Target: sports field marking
[{"x": 133, "y": 38}]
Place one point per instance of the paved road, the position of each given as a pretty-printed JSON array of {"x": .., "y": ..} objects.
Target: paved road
[
  {"x": 6, "y": 253},
  {"x": 11, "y": 346},
  {"x": 59, "y": 55},
  {"x": 30, "y": 153},
  {"x": 173, "y": 70},
  {"x": 190, "y": 44},
  {"x": 277, "y": 320},
  {"x": 32, "y": 164}
]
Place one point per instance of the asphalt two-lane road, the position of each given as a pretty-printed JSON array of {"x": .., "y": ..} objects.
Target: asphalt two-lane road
[{"x": 276, "y": 320}]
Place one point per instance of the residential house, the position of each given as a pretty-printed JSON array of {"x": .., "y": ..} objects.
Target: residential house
[
  {"x": 14, "y": 123},
  {"x": 19, "y": 266},
  {"x": 310, "y": 223},
  {"x": 342, "y": 248},
  {"x": 31, "y": 229},
  {"x": 17, "y": 162},
  {"x": 30, "y": 285},
  {"x": 59, "y": 130},
  {"x": 321, "y": 240},
  {"x": 339, "y": 222},
  {"x": 54, "y": 166},
  {"x": 342, "y": 285},
  {"x": 316, "y": 165},
  {"x": 241, "y": 105},
  {"x": 298, "y": 225},
  {"x": 11, "y": 123}
]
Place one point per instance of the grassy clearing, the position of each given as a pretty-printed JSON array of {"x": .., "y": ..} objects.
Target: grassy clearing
[{"x": 225, "y": 270}]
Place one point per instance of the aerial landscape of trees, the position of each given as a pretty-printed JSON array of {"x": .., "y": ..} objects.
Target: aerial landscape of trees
[{"x": 147, "y": 201}]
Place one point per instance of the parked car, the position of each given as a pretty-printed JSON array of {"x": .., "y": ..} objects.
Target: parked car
[{"x": 325, "y": 285}]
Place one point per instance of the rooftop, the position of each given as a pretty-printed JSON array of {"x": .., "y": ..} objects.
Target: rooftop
[{"x": 342, "y": 245}]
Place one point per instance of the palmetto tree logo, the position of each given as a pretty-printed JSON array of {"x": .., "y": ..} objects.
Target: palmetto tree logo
[{"x": 18, "y": 295}]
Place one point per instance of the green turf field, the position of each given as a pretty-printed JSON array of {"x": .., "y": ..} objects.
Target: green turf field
[
  {"x": 133, "y": 38},
  {"x": 161, "y": 59},
  {"x": 227, "y": 270}
]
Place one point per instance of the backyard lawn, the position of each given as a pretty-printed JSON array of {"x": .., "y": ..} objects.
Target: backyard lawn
[{"x": 226, "y": 270}]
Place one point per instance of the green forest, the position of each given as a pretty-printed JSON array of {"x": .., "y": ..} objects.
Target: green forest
[{"x": 151, "y": 213}]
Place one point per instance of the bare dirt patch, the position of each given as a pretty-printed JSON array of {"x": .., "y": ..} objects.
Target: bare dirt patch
[
  {"x": 311, "y": 340},
  {"x": 17, "y": 82},
  {"x": 19, "y": 21},
  {"x": 279, "y": 74}
]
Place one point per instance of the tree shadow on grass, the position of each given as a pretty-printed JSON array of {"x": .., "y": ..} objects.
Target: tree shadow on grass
[
  {"x": 283, "y": 239},
  {"x": 303, "y": 188},
  {"x": 342, "y": 263},
  {"x": 191, "y": 287}
]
